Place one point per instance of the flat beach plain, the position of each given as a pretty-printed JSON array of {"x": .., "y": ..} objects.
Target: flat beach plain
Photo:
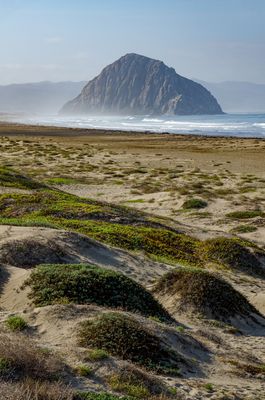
[
  {"x": 201, "y": 188},
  {"x": 156, "y": 173}
]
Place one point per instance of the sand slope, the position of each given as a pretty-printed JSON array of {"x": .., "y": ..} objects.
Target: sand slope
[{"x": 75, "y": 248}]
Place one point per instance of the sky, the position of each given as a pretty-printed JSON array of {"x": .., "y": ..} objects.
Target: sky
[{"x": 57, "y": 40}]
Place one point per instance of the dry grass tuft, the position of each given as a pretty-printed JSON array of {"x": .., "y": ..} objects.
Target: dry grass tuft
[
  {"x": 34, "y": 390},
  {"x": 21, "y": 359},
  {"x": 29, "y": 253},
  {"x": 136, "y": 382}
]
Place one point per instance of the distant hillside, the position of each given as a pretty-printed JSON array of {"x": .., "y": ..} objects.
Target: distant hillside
[
  {"x": 135, "y": 84},
  {"x": 49, "y": 97},
  {"x": 40, "y": 97},
  {"x": 238, "y": 96}
]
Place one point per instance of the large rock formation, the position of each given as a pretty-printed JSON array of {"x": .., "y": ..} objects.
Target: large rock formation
[{"x": 135, "y": 84}]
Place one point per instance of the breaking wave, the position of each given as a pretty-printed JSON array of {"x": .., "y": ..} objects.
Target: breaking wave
[{"x": 245, "y": 125}]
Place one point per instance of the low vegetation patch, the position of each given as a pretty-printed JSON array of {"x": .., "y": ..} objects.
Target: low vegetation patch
[
  {"x": 245, "y": 214},
  {"x": 96, "y": 355},
  {"x": 63, "y": 181},
  {"x": 85, "y": 284},
  {"x": 209, "y": 387},
  {"x": 251, "y": 369},
  {"x": 57, "y": 205},
  {"x": 198, "y": 291},
  {"x": 233, "y": 254},
  {"x": 244, "y": 229},
  {"x": 133, "y": 381},
  {"x": 125, "y": 337},
  {"x": 194, "y": 204},
  {"x": 129, "y": 386},
  {"x": 16, "y": 323},
  {"x": 115, "y": 225},
  {"x": 10, "y": 178},
  {"x": 84, "y": 370}
]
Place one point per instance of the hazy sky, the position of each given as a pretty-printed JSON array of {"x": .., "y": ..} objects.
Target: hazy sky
[{"x": 212, "y": 40}]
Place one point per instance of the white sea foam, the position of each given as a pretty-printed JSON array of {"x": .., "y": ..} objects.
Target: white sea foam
[
  {"x": 152, "y": 120},
  {"x": 227, "y": 125}
]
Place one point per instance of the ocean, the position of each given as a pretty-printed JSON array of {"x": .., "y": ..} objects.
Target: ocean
[{"x": 238, "y": 125}]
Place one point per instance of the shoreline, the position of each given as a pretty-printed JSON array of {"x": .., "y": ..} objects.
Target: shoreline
[{"x": 15, "y": 128}]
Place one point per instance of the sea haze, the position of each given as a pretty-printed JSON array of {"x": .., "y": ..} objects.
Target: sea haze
[{"x": 239, "y": 125}]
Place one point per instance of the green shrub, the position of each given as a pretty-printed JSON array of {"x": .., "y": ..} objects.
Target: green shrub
[
  {"x": 194, "y": 203},
  {"x": 244, "y": 229},
  {"x": 83, "y": 370},
  {"x": 4, "y": 365},
  {"x": 245, "y": 214},
  {"x": 16, "y": 323},
  {"x": 96, "y": 355},
  {"x": 128, "y": 387},
  {"x": 209, "y": 387},
  {"x": 231, "y": 253},
  {"x": 125, "y": 337},
  {"x": 180, "y": 329},
  {"x": 135, "y": 382},
  {"x": 198, "y": 291},
  {"x": 84, "y": 284},
  {"x": 63, "y": 181}
]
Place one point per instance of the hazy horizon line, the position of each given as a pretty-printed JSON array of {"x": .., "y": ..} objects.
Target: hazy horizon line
[{"x": 87, "y": 80}]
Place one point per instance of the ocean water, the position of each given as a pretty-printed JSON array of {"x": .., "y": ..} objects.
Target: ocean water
[{"x": 239, "y": 125}]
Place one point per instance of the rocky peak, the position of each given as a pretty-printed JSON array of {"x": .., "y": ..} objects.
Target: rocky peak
[{"x": 135, "y": 84}]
